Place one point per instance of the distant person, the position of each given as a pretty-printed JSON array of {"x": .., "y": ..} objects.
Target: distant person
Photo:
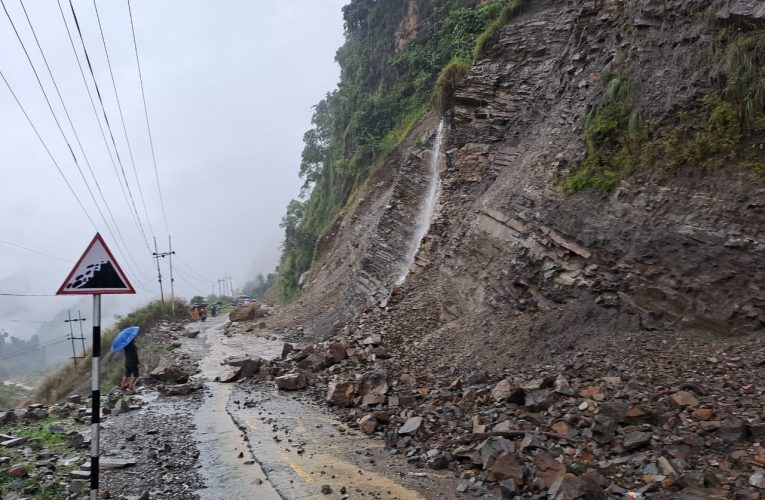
[
  {"x": 202, "y": 313},
  {"x": 131, "y": 368},
  {"x": 195, "y": 311}
]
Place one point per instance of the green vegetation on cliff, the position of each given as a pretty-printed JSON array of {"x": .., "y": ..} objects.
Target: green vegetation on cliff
[
  {"x": 390, "y": 63},
  {"x": 725, "y": 127}
]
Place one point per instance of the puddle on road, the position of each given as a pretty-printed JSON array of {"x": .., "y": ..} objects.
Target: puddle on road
[{"x": 288, "y": 474}]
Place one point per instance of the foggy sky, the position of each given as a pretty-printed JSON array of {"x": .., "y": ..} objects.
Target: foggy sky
[{"x": 229, "y": 87}]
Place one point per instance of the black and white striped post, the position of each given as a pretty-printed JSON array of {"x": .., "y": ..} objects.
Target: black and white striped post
[
  {"x": 95, "y": 420},
  {"x": 96, "y": 273}
]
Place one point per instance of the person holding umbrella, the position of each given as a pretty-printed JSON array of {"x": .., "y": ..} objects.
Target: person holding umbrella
[
  {"x": 125, "y": 340},
  {"x": 131, "y": 367}
]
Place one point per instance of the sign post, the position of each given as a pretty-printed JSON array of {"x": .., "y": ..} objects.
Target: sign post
[{"x": 96, "y": 273}]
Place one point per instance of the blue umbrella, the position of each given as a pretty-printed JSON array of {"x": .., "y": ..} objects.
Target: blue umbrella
[{"x": 125, "y": 337}]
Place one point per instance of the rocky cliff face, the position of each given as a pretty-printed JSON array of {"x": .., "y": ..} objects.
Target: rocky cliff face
[
  {"x": 623, "y": 319},
  {"x": 657, "y": 252},
  {"x": 685, "y": 252}
]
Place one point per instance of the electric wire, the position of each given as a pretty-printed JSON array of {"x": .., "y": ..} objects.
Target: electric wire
[
  {"x": 146, "y": 114},
  {"x": 50, "y": 107},
  {"x": 33, "y": 349},
  {"x": 79, "y": 143},
  {"x": 33, "y": 250},
  {"x": 129, "y": 254},
  {"x": 9, "y": 294},
  {"x": 194, "y": 288},
  {"x": 191, "y": 272},
  {"x": 137, "y": 219},
  {"x": 122, "y": 119},
  {"x": 47, "y": 150}
]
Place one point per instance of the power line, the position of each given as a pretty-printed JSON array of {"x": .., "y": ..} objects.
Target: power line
[
  {"x": 77, "y": 138},
  {"x": 33, "y": 250},
  {"x": 47, "y": 150},
  {"x": 194, "y": 288},
  {"x": 146, "y": 114},
  {"x": 122, "y": 118},
  {"x": 109, "y": 127},
  {"x": 33, "y": 349},
  {"x": 106, "y": 144},
  {"x": 8, "y": 294},
  {"x": 189, "y": 270}
]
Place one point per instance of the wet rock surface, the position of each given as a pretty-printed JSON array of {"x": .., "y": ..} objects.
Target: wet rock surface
[
  {"x": 158, "y": 440},
  {"x": 613, "y": 339},
  {"x": 641, "y": 420}
]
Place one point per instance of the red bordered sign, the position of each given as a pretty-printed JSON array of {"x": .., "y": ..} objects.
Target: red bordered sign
[{"x": 96, "y": 273}]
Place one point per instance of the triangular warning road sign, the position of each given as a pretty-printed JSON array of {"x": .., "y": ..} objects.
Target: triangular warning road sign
[{"x": 96, "y": 273}]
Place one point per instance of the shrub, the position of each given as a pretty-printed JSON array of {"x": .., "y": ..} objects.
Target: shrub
[
  {"x": 450, "y": 77},
  {"x": 61, "y": 382}
]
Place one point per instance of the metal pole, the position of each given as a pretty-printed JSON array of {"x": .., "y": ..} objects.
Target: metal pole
[
  {"x": 80, "y": 319},
  {"x": 95, "y": 416},
  {"x": 71, "y": 336},
  {"x": 159, "y": 272},
  {"x": 172, "y": 290}
]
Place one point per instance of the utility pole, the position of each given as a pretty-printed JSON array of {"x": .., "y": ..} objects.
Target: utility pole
[
  {"x": 231, "y": 284},
  {"x": 220, "y": 287},
  {"x": 79, "y": 319},
  {"x": 159, "y": 272},
  {"x": 170, "y": 261},
  {"x": 157, "y": 254}
]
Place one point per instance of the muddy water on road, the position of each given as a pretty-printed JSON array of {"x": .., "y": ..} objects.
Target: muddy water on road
[
  {"x": 299, "y": 447},
  {"x": 224, "y": 472}
]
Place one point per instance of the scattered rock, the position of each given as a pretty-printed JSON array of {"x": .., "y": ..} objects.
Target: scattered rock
[
  {"x": 368, "y": 424},
  {"x": 341, "y": 393},
  {"x": 291, "y": 382},
  {"x": 412, "y": 426},
  {"x": 636, "y": 440}
]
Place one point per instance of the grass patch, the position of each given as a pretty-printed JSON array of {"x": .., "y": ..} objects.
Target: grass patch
[
  {"x": 11, "y": 395},
  {"x": 63, "y": 381},
  {"x": 490, "y": 37},
  {"x": 726, "y": 127},
  {"x": 450, "y": 77},
  {"x": 393, "y": 138},
  {"x": 612, "y": 139}
]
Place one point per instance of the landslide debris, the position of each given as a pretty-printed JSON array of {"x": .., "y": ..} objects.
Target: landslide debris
[{"x": 658, "y": 415}]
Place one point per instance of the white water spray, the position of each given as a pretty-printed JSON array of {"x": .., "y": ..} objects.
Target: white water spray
[{"x": 427, "y": 206}]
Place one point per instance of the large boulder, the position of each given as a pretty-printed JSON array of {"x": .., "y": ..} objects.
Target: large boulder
[
  {"x": 180, "y": 389},
  {"x": 341, "y": 393},
  {"x": 248, "y": 312},
  {"x": 374, "y": 382},
  {"x": 291, "y": 382},
  {"x": 169, "y": 372},
  {"x": 248, "y": 366}
]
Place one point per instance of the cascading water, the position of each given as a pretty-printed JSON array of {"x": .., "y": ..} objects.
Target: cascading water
[{"x": 427, "y": 206}]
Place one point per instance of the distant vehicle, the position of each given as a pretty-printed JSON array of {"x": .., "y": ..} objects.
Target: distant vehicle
[{"x": 243, "y": 299}]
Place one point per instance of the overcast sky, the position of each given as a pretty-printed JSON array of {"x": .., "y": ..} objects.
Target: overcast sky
[{"x": 229, "y": 87}]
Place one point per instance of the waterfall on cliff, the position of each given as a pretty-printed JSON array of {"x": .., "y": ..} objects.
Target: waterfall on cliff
[{"x": 427, "y": 206}]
